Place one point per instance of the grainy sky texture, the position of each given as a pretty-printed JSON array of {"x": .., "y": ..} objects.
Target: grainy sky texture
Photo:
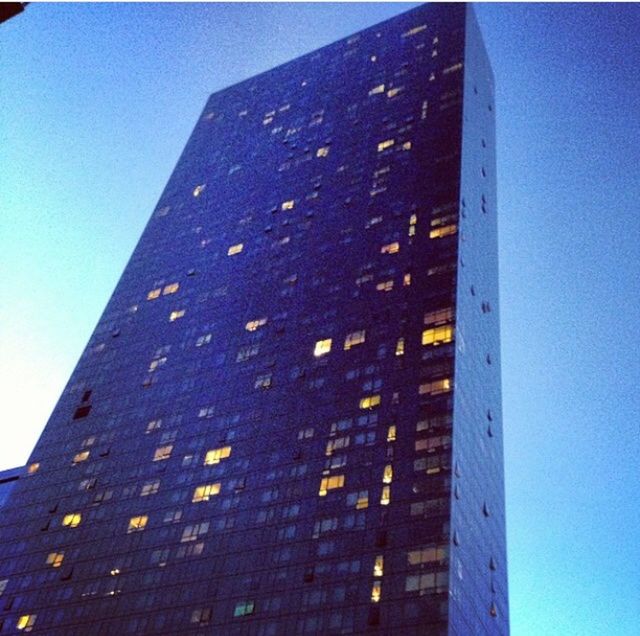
[{"x": 97, "y": 103}]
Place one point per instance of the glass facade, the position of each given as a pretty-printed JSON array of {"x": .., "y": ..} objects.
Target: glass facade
[{"x": 287, "y": 420}]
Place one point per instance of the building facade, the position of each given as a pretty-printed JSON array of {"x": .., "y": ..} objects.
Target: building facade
[
  {"x": 8, "y": 480},
  {"x": 288, "y": 420}
]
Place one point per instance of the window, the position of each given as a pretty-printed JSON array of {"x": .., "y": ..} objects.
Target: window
[
  {"x": 336, "y": 444},
  {"x": 54, "y": 559},
  {"x": 263, "y": 381},
  {"x": 423, "y": 583},
  {"x": 137, "y": 524},
  {"x": 406, "y": 145},
  {"x": 247, "y": 352},
  {"x": 400, "y": 347},
  {"x": 378, "y": 566},
  {"x": 197, "y": 191},
  {"x": 322, "y": 152},
  {"x": 175, "y": 315},
  {"x": 150, "y": 488},
  {"x": 354, "y": 338},
  {"x": 391, "y": 433},
  {"x": 253, "y": 325},
  {"x": 376, "y": 592},
  {"x": 26, "y": 622},
  {"x": 72, "y": 520},
  {"x": 392, "y": 92},
  {"x": 437, "y": 335},
  {"x": 445, "y": 230},
  {"x": 390, "y": 248},
  {"x": 244, "y": 608},
  {"x": 359, "y": 499},
  {"x": 385, "y": 498},
  {"x": 439, "y": 316},
  {"x": 194, "y": 532},
  {"x": 235, "y": 249},
  {"x": 3, "y": 585},
  {"x": 427, "y": 555},
  {"x": 329, "y": 483},
  {"x": 414, "y": 31},
  {"x": 154, "y": 293},
  {"x": 204, "y": 493},
  {"x": 436, "y": 387},
  {"x": 33, "y": 468},
  {"x": 387, "y": 475},
  {"x": 385, "y": 286},
  {"x": 377, "y": 89},
  {"x": 214, "y": 456},
  {"x": 369, "y": 402},
  {"x": 163, "y": 452},
  {"x": 80, "y": 457},
  {"x": 383, "y": 145},
  {"x": 322, "y": 347},
  {"x": 201, "y": 616},
  {"x": 170, "y": 289},
  {"x": 288, "y": 205}
]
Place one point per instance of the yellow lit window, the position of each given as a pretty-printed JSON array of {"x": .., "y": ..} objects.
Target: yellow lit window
[
  {"x": 80, "y": 457},
  {"x": 322, "y": 152},
  {"x": 377, "y": 89},
  {"x": 204, "y": 493},
  {"x": 235, "y": 249},
  {"x": 253, "y": 325},
  {"x": 436, "y": 387},
  {"x": 406, "y": 145},
  {"x": 72, "y": 520},
  {"x": 336, "y": 444},
  {"x": 154, "y": 293},
  {"x": 390, "y": 248},
  {"x": 175, "y": 315},
  {"x": 26, "y": 622},
  {"x": 322, "y": 347},
  {"x": 387, "y": 474},
  {"x": 378, "y": 566},
  {"x": 400, "y": 347},
  {"x": 330, "y": 483},
  {"x": 392, "y": 92},
  {"x": 163, "y": 452},
  {"x": 33, "y": 468},
  {"x": 445, "y": 230},
  {"x": 358, "y": 499},
  {"x": 437, "y": 335},
  {"x": 170, "y": 289},
  {"x": 369, "y": 402},
  {"x": 354, "y": 338},
  {"x": 387, "y": 143},
  {"x": 414, "y": 31},
  {"x": 288, "y": 205},
  {"x": 137, "y": 524},
  {"x": 197, "y": 191},
  {"x": 54, "y": 559},
  {"x": 385, "y": 498},
  {"x": 376, "y": 592},
  {"x": 439, "y": 316},
  {"x": 406, "y": 281},
  {"x": 385, "y": 286},
  {"x": 214, "y": 456},
  {"x": 391, "y": 433}
]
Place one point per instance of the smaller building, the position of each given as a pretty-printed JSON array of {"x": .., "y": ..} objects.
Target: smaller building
[{"x": 8, "y": 479}]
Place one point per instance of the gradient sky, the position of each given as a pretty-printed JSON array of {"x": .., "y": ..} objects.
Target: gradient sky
[{"x": 97, "y": 102}]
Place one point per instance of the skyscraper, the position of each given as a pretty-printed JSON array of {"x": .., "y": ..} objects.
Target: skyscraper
[{"x": 287, "y": 420}]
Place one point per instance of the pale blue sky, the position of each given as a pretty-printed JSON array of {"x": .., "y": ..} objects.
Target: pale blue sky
[{"x": 97, "y": 102}]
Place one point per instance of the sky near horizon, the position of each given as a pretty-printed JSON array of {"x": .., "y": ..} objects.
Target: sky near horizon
[{"x": 98, "y": 101}]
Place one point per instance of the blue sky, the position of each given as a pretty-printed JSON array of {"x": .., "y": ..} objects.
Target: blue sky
[{"x": 98, "y": 101}]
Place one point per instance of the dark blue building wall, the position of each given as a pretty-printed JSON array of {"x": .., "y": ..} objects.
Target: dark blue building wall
[{"x": 215, "y": 465}]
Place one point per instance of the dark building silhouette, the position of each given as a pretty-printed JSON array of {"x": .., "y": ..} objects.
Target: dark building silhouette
[{"x": 288, "y": 419}]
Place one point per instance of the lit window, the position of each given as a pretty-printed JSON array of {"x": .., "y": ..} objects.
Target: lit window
[
  {"x": 377, "y": 89},
  {"x": 245, "y": 608},
  {"x": 369, "y": 402},
  {"x": 435, "y": 387},
  {"x": 330, "y": 483},
  {"x": 354, "y": 338},
  {"x": 288, "y": 205},
  {"x": 54, "y": 559},
  {"x": 253, "y": 325},
  {"x": 33, "y": 468},
  {"x": 400, "y": 347},
  {"x": 137, "y": 524},
  {"x": 247, "y": 352},
  {"x": 263, "y": 381},
  {"x": 201, "y": 616},
  {"x": 72, "y": 520},
  {"x": 26, "y": 622},
  {"x": 387, "y": 475},
  {"x": 376, "y": 592},
  {"x": 214, "y": 456},
  {"x": 437, "y": 335},
  {"x": 197, "y": 191},
  {"x": 390, "y": 248},
  {"x": 383, "y": 145},
  {"x": 445, "y": 230},
  {"x": 154, "y": 293},
  {"x": 322, "y": 152},
  {"x": 427, "y": 555},
  {"x": 175, "y": 315},
  {"x": 358, "y": 499},
  {"x": 235, "y": 249},
  {"x": 153, "y": 425},
  {"x": 194, "y": 532},
  {"x": 378, "y": 566},
  {"x": 392, "y": 92},
  {"x": 337, "y": 444},
  {"x": 385, "y": 286},
  {"x": 81, "y": 457},
  {"x": 414, "y": 31},
  {"x": 163, "y": 452},
  {"x": 439, "y": 316},
  {"x": 170, "y": 289},
  {"x": 150, "y": 488},
  {"x": 385, "y": 498},
  {"x": 322, "y": 347},
  {"x": 204, "y": 493},
  {"x": 391, "y": 433}
]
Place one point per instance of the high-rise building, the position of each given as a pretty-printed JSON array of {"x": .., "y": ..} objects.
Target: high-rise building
[
  {"x": 8, "y": 480},
  {"x": 288, "y": 419}
]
